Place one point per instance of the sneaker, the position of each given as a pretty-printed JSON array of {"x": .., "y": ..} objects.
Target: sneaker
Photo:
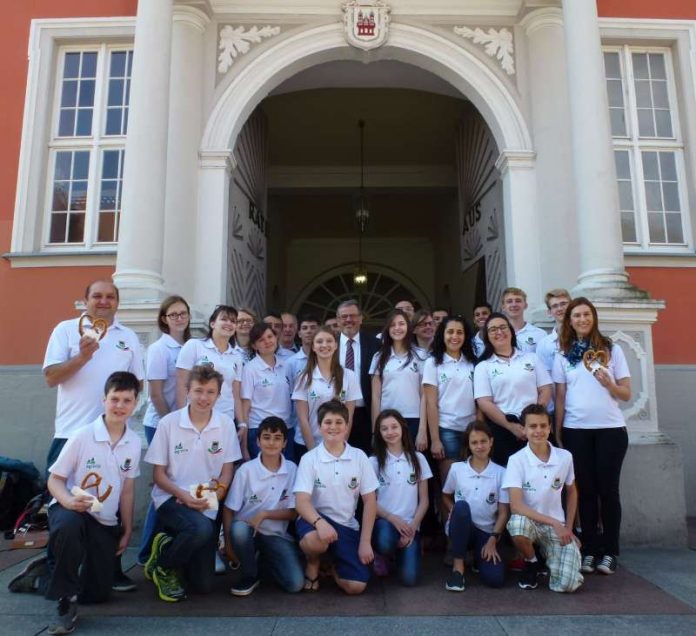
[
  {"x": 455, "y": 582},
  {"x": 66, "y": 616},
  {"x": 528, "y": 577},
  {"x": 589, "y": 564},
  {"x": 168, "y": 585},
  {"x": 27, "y": 581},
  {"x": 122, "y": 582},
  {"x": 161, "y": 539},
  {"x": 380, "y": 566},
  {"x": 245, "y": 587},
  {"x": 607, "y": 565}
]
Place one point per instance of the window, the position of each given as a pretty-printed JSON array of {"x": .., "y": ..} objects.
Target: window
[
  {"x": 87, "y": 144},
  {"x": 648, "y": 149}
]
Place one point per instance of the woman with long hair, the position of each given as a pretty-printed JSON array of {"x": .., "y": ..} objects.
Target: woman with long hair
[
  {"x": 505, "y": 381},
  {"x": 323, "y": 379},
  {"x": 591, "y": 376},
  {"x": 396, "y": 372},
  {"x": 246, "y": 319}
]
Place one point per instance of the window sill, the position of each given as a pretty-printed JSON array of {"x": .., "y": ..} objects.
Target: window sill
[
  {"x": 660, "y": 259},
  {"x": 72, "y": 258}
]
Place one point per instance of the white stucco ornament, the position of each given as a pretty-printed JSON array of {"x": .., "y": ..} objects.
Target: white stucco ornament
[
  {"x": 236, "y": 41},
  {"x": 498, "y": 44},
  {"x": 366, "y": 23}
]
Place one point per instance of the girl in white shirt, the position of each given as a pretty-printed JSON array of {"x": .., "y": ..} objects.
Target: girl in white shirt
[
  {"x": 246, "y": 319},
  {"x": 402, "y": 496}
]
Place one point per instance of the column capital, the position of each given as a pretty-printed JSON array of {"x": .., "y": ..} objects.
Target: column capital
[
  {"x": 191, "y": 16},
  {"x": 540, "y": 18},
  {"x": 515, "y": 159},
  {"x": 217, "y": 159}
]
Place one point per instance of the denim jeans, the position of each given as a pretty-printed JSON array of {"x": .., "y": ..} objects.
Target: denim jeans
[
  {"x": 253, "y": 445},
  {"x": 151, "y": 517},
  {"x": 192, "y": 550},
  {"x": 385, "y": 538},
  {"x": 278, "y": 557},
  {"x": 464, "y": 535}
]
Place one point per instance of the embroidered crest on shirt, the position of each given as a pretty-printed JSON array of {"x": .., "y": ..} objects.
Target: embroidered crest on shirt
[
  {"x": 215, "y": 448},
  {"x": 496, "y": 372},
  {"x": 266, "y": 382},
  {"x": 92, "y": 464},
  {"x": 411, "y": 479},
  {"x": 443, "y": 378},
  {"x": 318, "y": 484},
  {"x": 284, "y": 494},
  {"x": 382, "y": 481},
  {"x": 254, "y": 499},
  {"x": 122, "y": 345},
  {"x": 342, "y": 395},
  {"x": 491, "y": 498},
  {"x": 127, "y": 465},
  {"x": 528, "y": 486},
  {"x": 530, "y": 341},
  {"x": 179, "y": 449},
  {"x": 414, "y": 367},
  {"x": 528, "y": 366},
  {"x": 204, "y": 362},
  {"x": 353, "y": 483},
  {"x": 557, "y": 483},
  {"x": 312, "y": 395}
]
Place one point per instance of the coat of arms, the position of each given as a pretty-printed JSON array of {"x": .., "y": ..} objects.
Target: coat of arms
[{"x": 366, "y": 23}]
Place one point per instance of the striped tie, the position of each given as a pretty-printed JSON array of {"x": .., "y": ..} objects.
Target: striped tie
[{"x": 350, "y": 355}]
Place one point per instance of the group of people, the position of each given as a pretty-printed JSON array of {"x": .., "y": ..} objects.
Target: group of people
[{"x": 308, "y": 440}]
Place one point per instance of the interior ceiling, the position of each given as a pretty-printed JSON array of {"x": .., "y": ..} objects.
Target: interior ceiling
[{"x": 410, "y": 116}]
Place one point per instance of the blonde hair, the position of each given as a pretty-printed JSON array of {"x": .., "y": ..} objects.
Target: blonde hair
[
  {"x": 513, "y": 291},
  {"x": 559, "y": 292}
]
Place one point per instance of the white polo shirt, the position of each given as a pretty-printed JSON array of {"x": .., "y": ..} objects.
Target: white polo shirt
[
  {"x": 322, "y": 390},
  {"x": 80, "y": 399},
  {"x": 192, "y": 457},
  {"x": 455, "y": 390},
  {"x": 268, "y": 388},
  {"x": 244, "y": 353},
  {"x": 357, "y": 367},
  {"x": 284, "y": 353},
  {"x": 255, "y": 488},
  {"x": 296, "y": 365},
  {"x": 161, "y": 365},
  {"x": 511, "y": 383},
  {"x": 541, "y": 483},
  {"x": 588, "y": 404},
  {"x": 335, "y": 483},
  {"x": 546, "y": 351},
  {"x": 529, "y": 337},
  {"x": 478, "y": 345},
  {"x": 204, "y": 353},
  {"x": 89, "y": 451},
  {"x": 401, "y": 382},
  {"x": 398, "y": 488},
  {"x": 482, "y": 491}
]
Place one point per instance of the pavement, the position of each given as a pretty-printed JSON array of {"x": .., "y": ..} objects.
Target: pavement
[{"x": 653, "y": 592}]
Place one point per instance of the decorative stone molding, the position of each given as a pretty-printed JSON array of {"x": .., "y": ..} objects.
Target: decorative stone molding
[
  {"x": 498, "y": 44},
  {"x": 366, "y": 23},
  {"x": 235, "y": 41}
]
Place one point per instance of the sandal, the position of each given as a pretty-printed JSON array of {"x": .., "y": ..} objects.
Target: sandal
[{"x": 311, "y": 585}]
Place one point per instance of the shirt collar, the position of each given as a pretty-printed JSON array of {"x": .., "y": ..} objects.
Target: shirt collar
[
  {"x": 393, "y": 459},
  {"x": 487, "y": 471},
  {"x": 264, "y": 473},
  {"x": 185, "y": 421},
  {"x": 515, "y": 354},
  {"x": 101, "y": 433},
  {"x": 355, "y": 339},
  {"x": 170, "y": 342},
  {"x": 326, "y": 457},
  {"x": 447, "y": 358},
  {"x": 533, "y": 460},
  {"x": 208, "y": 343}
]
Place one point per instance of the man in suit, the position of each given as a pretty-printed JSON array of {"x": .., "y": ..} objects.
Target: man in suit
[{"x": 355, "y": 352}]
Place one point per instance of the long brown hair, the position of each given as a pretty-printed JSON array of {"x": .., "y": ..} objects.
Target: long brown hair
[
  {"x": 387, "y": 342},
  {"x": 164, "y": 308},
  {"x": 312, "y": 362},
  {"x": 380, "y": 446},
  {"x": 567, "y": 336}
]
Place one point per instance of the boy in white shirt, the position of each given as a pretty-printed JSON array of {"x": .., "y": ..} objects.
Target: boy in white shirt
[
  {"x": 329, "y": 481},
  {"x": 534, "y": 479},
  {"x": 257, "y": 510},
  {"x": 513, "y": 305},
  {"x": 193, "y": 453},
  {"x": 90, "y": 481}
]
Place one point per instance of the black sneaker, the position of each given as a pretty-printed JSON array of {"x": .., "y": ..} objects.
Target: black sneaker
[
  {"x": 455, "y": 582},
  {"x": 245, "y": 587},
  {"x": 122, "y": 583},
  {"x": 589, "y": 564},
  {"x": 28, "y": 580},
  {"x": 528, "y": 577},
  {"x": 607, "y": 565},
  {"x": 66, "y": 616}
]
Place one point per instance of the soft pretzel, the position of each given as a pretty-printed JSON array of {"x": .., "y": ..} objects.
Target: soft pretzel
[
  {"x": 97, "y": 330},
  {"x": 595, "y": 360},
  {"x": 94, "y": 480}
]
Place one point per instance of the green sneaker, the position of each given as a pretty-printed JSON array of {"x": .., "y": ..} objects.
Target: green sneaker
[
  {"x": 161, "y": 539},
  {"x": 168, "y": 586}
]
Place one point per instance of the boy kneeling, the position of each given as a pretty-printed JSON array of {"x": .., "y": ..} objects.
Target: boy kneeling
[
  {"x": 90, "y": 481},
  {"x": 257, "y": 511},
  {"x": 193, "y": 452},
  {"x": 329, "y": 480},
  {"x": 534, "y": 478}
]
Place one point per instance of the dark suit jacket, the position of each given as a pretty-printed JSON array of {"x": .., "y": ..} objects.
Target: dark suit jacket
[{"x": 369, "y": 345}]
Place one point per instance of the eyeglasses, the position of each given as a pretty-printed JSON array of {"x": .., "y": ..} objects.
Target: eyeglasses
[
  {"x": 425, "y": 323},
  {"x": 348, "y": 316},
  {"x": 560, "y": 305},
  {"x": 177, "y": 315},
  {"x": 498, "y": 329},
  {"x": 245, "y": 321}
]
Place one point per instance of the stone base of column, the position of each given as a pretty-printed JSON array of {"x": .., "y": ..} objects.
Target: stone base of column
[
  {"x": 137, "y": 285},
  {"x": 652, "y": 493},
  {"x": 607, "y": 285}
]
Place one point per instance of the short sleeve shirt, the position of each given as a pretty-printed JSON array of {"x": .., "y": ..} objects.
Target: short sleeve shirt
[
  {"x": 455, "y": 390},
  {"x": 192, "y": 457},
  {"x": 268, "y": 389},
  {"x": 255, "y": 489},
  {"x": 541, "y": 482},
  {"x": 482, "y": 491},
  {"x": 529, "y": 337},
  {"x": 546, "y": 351},
  {"x": 161, "y": 365},
  {"x": 587, "y": 403},
  {"x": 335, "y": 483},
  {"x": 511, "y": 383},
  {"x": 80, "y": 397},
  {"x": 88, "y": 456},
  {"x": 401, "y": 382}
]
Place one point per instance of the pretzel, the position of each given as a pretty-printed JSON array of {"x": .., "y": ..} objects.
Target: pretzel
[
  {"x": 95, "y": 483},
  {"x": 98, "y": 329},
  {"x": 595, "y": 360},
  {"x": 214, "y": 486}
]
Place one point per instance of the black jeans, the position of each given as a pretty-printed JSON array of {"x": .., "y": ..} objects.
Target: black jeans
[
  {"x": 598, "y": 455},
  {"x": 361, "y": 431},
  {"x": 83, "y": 550},
  {"x": 504, "y": 442}
]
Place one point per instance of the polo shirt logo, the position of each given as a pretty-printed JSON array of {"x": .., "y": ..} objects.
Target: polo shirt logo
[
  {"x": 528, "y": 366},
  {"x": 458, "y": 495},
  {"x": 411, "y": 479},
  {"x": 556, "y": 485},
  {"x": 353, "y": 483},
  {"x": 443, "y": 378},
  {"x": 122, "y": 345},
  {"x": 382, "y": 481},
  {"x": 92, "y": 464},
  {"x": 266, "y": 382},
  {"x": 318, "y": 484},
  {"x": 179, "y": 449},
  {"x": 215, "y": 448},
  {"x": 342, "y": 395},
  {"x": 414, "y": 367},
  {"x": 127, "y": 465},
  {"x": 284, "y": 494},
  {"x": 312, "y": 395},
  {"x": 530, "y": 340},
  {"x": 253, "y": 499},
  {"x": 204, "y": 362},
  {"x": 491, "y": 498},
  {"x": 528, "y": 486}
]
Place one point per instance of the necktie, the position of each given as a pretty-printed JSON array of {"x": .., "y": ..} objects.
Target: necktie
[{"x": 350, "y": 355}]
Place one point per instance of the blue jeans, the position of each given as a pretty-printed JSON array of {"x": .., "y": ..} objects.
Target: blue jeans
[
  {"x": 452, "y": 441},
  {"x": 192, "y": 550},
  {"x": 464, "y": 535},
  {"x": 254, "y": 450},
  {"x": 408, "y": 560},
  {"x": 151, "y": 517},
  {"x": 278, "y": 557}
]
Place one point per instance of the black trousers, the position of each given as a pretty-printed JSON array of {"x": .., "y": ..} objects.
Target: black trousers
[
  {"x": 83, "y": 551},
  {"x": 598, "y": 455},
  {"x": 504, "y": 442},
  {"x": 361, "y": 432}
]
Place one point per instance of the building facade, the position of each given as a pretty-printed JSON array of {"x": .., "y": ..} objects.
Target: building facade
[{"x": 211, "y": 148}]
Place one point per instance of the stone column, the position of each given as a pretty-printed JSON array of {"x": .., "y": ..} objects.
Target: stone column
[
  {"x": 139, "y": 259},
  {"x": 185, "y": 126}
]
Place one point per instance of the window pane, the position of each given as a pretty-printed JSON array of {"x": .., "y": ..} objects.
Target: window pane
[
  {"x": 118, "y": 64},
  {"x": 76, "y": 228},
  {"x": 69, "y": 95},
  {"x": 623, "y": 166},
  {"x": 66, "y": 124},
  {"x": 89, "y": 65},
  {"x": 640, "y": 65},
  {"x": 113, "y": 121},
  {"x": 618, "y": 122},
  {"x": 650, "y": 169},
  {"x": 110, "y": 164},
  {"x": 78, "y": 197},
  {"x": 670, "y": 193},
  {"x": 628, "y": 227},
  {"x": 107, "y": 200},
  {"x": 84, "y": 122},
  {"x": 63, "y": 161},
  {"x": 660, "y": 98},
  {"x": 118, "y": 92},
  {"x": 107, "y": 231},
  {"x": 657, "y": 66},
  {"x": 81, "y": 166},
  {"x": 110, "y": 195},
  {"x": 675, "y": 233},
  {"x": 646, "y": 126},
  {"x": 653, "y": 195},
  {"x": 115, "y": 92},
  {"x": 664, "y": 123},
  {"x": 615, "y": 93},
  {"x": 668, "y": 166},
  {"x": 125, "y": 121},
  {"x": 625, "y": 195},
  {"x": 71, "y": 67},
  {"x": 58, "y": 225},
  {"x": 611, "y": 65},
  {"x": 86, "y": 93},
  {"x": 656, "y": 228},
  {"x": 61, "y": 192},
  {"x": 643, "y": 96}
]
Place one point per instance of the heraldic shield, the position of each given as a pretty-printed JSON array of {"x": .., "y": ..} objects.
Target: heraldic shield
[{"x": 366, "y": 23}]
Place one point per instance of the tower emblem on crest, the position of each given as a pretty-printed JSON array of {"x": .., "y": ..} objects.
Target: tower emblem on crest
[{"x": 366, "y": 23}]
